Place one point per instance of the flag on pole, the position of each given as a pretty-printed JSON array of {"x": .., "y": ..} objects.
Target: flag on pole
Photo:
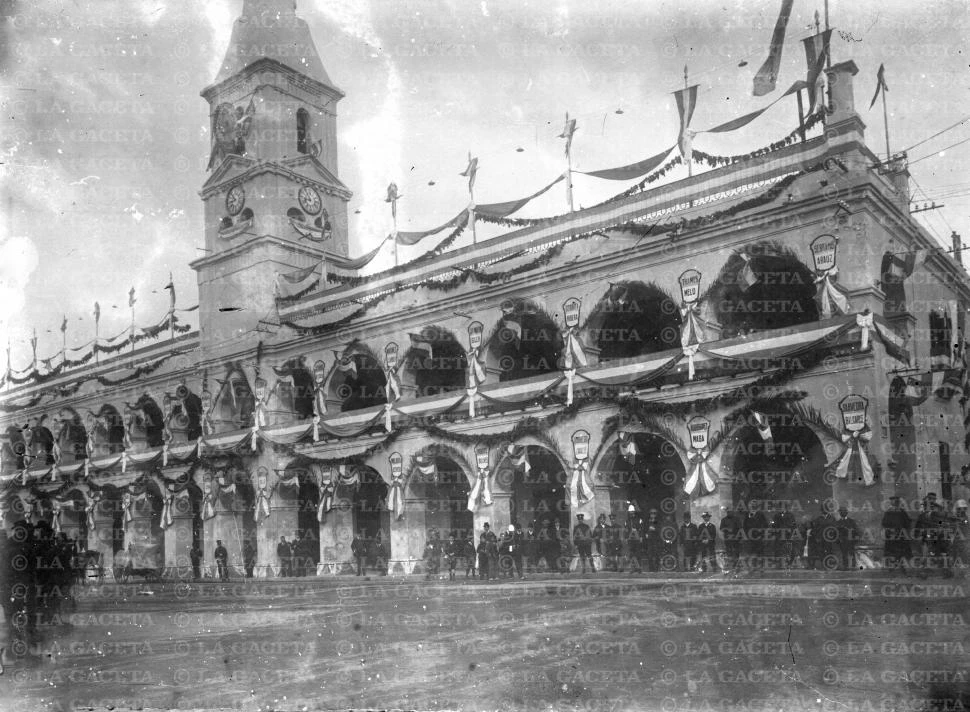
[
  {"x": 880, "y": 84},
  {"x": 131, "y": 297},
  {"x": 97, "y": 312},
  {"x": 171, "y": 288},
  {"x": 64, "y": 325},
  {"x": 568, "y": 131},
  {"x": 470, "y": 171},
  {"x": 816, "y": 55},
  {"x": 686, "y": 102},
  {"x": 392, "y": 198},
  {"x": 767, "y": 76}
]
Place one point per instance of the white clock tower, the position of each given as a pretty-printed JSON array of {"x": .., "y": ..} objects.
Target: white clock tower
[{"x": 273, "y": 201}]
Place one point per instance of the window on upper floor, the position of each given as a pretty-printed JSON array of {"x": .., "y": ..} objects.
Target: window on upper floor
[
  {"x": 941, "y": 330},
  {"x": 303, "y": 131}
]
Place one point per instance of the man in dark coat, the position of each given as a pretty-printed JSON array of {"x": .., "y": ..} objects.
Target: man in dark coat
[
  {"x": 249, "y": 558},
  {"x": 358, "y": 547},
  {"x": 583, "y": 540},
  {"x": 707, "y": 543},
  {"x": 222, "y": 560},
  {"x": 848, "y": 538},
  {"x": 285, "y": 555},
  {"x": 530, "y": 548},
  {"x": 731, "y": 533},
  {"x": 195, "y": 556},
  {"x": 687, "y": 535},
  {"x": 652, "y": 542},
  {"x": 823, "y": 540},
  {"x": 896, "y": 525},
  {"x": 754, "y": 529},
  {"x": 785, "y": 528},
  {"x": 491, "y": 550}
]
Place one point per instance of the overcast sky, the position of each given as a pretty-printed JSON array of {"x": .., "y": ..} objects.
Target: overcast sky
[{"x": 104, "y": 137}]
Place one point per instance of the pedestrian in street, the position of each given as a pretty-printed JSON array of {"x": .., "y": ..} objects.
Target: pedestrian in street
[
  {"x": 491, "y": 549},
  {"x": 530, "y": 548},
  {"x": 284, "y": 554},
  {"x": 614, "y": 544},
  {"x": 732, "y": 534},
  {"x": 249, "y": 558},
  {"x": 222, "y": 560},
  {"x": 848, "y": 538},
  {"x": 652, "y": 543},
  {"x": 453, "y": 551},
  {"x": 583, "y": 539},
  {"x": 549, "y": 546},
  {"x": 430, "y": 560},
  {"x": 599, "y": 540},
  {"x": 195, "y": 556},
  {"x": 564, "y": 547},
  {"x": 707, "y": 543},
  {"x": 784, "y": 529},
  {"x": 378, "y": 550},
  {"x": 483, "y": 558},
  {"x": 634, "y": 544},
  {"x": 754, "y": 530},
  {"x": 470, "y": 555},
  {"x": 687, "y": 536},
  {"x": 823, "y": 540},
  {"x": 510, "y": 553},
  {"x": 358, "y": 547},
  {"x": 896, "y": 534}
]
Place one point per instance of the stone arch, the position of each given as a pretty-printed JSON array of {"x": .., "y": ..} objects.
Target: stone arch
[
  {"x": 107, "y": 428},
  {"x": 542, "y": 494},
  {"x": 291, "y": 396},
  {"x": 358, "y": 380},
  {"x": 790, "y": 469},
  {"x": 148, "y": 423},
  {"x": 234, "y": 402},
  {"x": 436, "y": 362},
  {"x": 298, "y": 488},
  {"x": 14, "y": 449},
  {"x": 445, "y": 491},
  {"x": 762, "y": 286},
  {"x": 144, "y": 535},
  {"x": 71, "y": 436},
  {"x": 525, "y": 342},
  {"x": 631, "y": 319},
  {"x": 183, "y": 412}
]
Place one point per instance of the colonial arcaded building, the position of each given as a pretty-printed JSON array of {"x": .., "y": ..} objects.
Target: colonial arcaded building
[{"x": 775, "y": 330}]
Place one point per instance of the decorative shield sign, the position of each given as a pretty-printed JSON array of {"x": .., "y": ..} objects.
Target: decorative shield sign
[
  {"x": 326, "y": 474},
  {"x": 390, "y": 356},
  {"x": 570, "y": 310},
  {"x": 824, "y": 249},
  {"x": 397, "y": 464},
  {"x": 699, "y": 428},
  {"x": 854, "y": 409},
  {"x": 481, "y": 456},
  {"x": 261, "y": 477},
  {"x": 690, "y": 286},
  {"x": 475, "y": 330},
  {"x": 260, "y": 389},
  {"x": 206, "y": 400},
  {"x": 319, "y": 372},
  {"x": 581, "y": 444}
]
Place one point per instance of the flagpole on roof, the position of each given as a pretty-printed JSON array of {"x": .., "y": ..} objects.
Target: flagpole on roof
[
  {"x": 885, "y": 116},
  {"x": 690, "y": 170},
  {"x": 828, "y": 57},
  {"x": 567, "y": 133},
  {"x": 64, "y": 339}
]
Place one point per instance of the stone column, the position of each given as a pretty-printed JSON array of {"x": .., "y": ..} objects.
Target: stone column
[
  {"x": 408, "y": 538},
  {"x": 282, "y": 521},
  {"x": 178, "y": 538}
]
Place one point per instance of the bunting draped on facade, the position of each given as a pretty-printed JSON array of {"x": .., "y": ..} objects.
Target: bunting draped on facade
[
  {"x": 413, "y": 238},
  {"x": 633, "y": 170},
  {"x": 501, "y": 210}
]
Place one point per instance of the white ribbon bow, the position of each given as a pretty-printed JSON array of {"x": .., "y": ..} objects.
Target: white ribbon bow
[
  {"x": 853, "y": 442},
  {"x": 574, "y": 356},
  {"x": 126, "y": 506},
  {"x": 395, "y": 500},
  {"x": 580, "y": 482},
  {"x": 199, "y": 447},
  {"x": 208, "y": 504},
  {"x": 89, "y": 512},
  {"x": 476, "y": 377},
  {"x": 325, "y": 504},
  {"x": 56, "y": 517},
  {"x": 319, "y": 410},
  {"x": 480, "y": 489},
  {"x": 830, "y": 299},
  {"x": 700, "y": 473},
  {"x": 263, "y": 495},
  {"x": 124, "y": 461}
]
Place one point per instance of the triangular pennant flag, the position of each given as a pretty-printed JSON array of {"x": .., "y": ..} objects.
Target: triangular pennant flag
[
  {"x": 767, "y": 76},
  {"x": 686, "y": 103},
  {"x": 816, "y": 54},
  {"x": 880, "y": 84}
]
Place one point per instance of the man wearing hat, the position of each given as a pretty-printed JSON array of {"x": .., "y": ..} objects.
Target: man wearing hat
[
  {"x": 222, "y": 560},
  {"x": 687, "y": 534},
  {"x": 583, "y": 539},
  {"x": 706, "y": 543},
  {"x": 848, "y": 538},
  {"x": 896, "y": 534},
  {"x": 960, "y": 548}
]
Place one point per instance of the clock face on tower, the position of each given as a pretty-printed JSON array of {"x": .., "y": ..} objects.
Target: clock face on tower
[
  {"x": 235, "y": 199},
  {"x": 309, "y": 200}
]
